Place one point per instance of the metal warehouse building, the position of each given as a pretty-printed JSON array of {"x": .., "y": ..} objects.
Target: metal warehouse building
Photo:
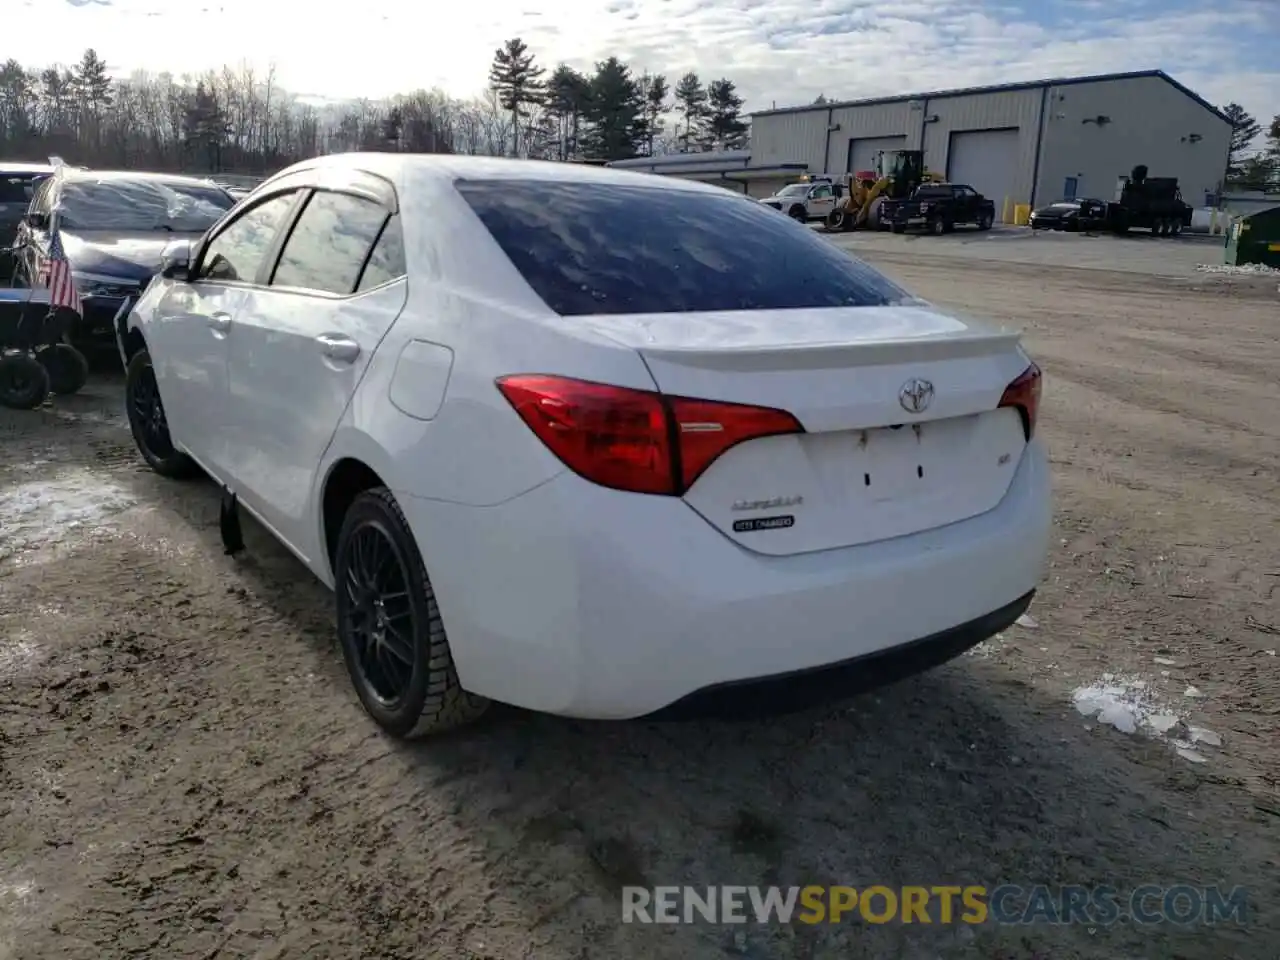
[{"x": 1017, "y": 143}]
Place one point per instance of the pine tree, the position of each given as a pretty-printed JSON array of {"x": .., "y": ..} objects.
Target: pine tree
[
  {"x": 692, "y": 99},
  {"x": 725, "y": 126},
  {"x": 655, "y": 92},
  {"x": 393, "y": 129},
  {"x": 615, "y": 111},
  {"x": 1244, "y": 128},
  {"x": 517, "y": 81},
  {"x": 204, "y": 127},
  {"x": 566, "y": 100}
]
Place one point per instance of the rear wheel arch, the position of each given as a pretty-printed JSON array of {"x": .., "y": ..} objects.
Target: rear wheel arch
[{"x": 347, "y": 479}]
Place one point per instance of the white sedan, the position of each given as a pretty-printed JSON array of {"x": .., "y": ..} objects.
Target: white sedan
[{"x": 590, "y": 442}]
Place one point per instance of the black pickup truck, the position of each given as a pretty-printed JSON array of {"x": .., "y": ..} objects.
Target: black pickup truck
[{"x": 938, "y": 207}]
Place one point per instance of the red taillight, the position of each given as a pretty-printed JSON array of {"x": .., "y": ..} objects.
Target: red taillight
[
  {"x": 635, "y": 440},
  {"x": 1024, "y": 394}
]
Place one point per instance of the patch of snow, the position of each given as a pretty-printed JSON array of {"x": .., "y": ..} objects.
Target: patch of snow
[
  {"x": 987, "y": 648},
  {"x": 44, "y": 512},
  {"x": 1130, "y": 705},
  {"x": 1244, "y": 269},
  {"x": 18, "y": 653},
  {"x": 1192, "y": 693},
  {"x": 1204, "y": 735},
  {"x": 1026, "y": 620},
  {"x": 1189, "y": 754},
  {"x": 1166, "y": 662},
  {"x": 1126, "y": 703}
]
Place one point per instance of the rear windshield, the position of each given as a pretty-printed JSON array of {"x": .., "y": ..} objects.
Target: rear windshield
[{"x": 601, "y": 248}]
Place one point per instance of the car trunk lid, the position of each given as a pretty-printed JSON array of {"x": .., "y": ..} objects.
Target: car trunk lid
[{"x": 899, "y": 406}]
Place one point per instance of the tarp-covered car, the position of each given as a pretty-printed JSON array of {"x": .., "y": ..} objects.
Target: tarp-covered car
[{"x": 113, "y": 227}]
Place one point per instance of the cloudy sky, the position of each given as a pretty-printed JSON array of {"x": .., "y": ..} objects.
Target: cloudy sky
[{"x": 777, "y": 51}]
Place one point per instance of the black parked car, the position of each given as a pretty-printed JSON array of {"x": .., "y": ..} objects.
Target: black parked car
[
  {"x": 17, "y": 184},
  {"x": 114, "y": 227},
  {"x": 1073, "y": 215}
]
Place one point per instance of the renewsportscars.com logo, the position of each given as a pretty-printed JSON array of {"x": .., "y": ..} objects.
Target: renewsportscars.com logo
[{"x": 1007, "y": 904}]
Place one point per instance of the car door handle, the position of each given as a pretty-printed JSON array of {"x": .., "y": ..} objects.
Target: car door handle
[
  {"x": 220, "y": 322},
  {"x": 339, "y": 349}
]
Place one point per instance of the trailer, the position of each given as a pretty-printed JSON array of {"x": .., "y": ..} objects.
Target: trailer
[{"x": 1147, "y": 203}]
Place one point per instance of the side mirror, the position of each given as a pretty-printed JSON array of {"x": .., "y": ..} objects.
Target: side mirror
[{"x": 175, "y": 262}]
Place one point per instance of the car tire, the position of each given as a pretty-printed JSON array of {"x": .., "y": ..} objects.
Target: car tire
[
  {"x": 408, "y": 686},
  {"x": 985, "y": 221},
  {"x": 147, "y": 421},
  {"x": 937, "y": 226},
  {"x": 67, "y": 367},
  {"x": 896, "y": 228},
  {"x": 798, "y": 214},
  {"x": 24, "y": 382}
]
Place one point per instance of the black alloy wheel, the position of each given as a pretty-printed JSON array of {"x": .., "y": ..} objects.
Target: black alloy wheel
[
  {"x": 393, "y": 640},
  {"x": 147, "y": 421},
  {"x": 379, "y": 620}
]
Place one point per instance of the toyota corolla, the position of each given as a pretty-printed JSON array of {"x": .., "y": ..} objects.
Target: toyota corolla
[{"x": 593, "y": 443}]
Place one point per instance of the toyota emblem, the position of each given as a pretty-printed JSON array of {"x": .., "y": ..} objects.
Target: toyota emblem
[{"x": 916, "y": 395}]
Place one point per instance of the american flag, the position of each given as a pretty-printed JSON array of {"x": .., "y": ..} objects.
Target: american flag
[{"x": 55, "y": 274}]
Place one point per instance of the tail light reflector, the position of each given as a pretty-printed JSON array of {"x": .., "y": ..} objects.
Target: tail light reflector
[
  {"x": 635, "y": 440},
  {"x": 1024, "y": 395}
]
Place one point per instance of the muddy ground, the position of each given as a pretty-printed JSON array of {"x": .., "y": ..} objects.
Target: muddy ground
[{"x": 185, "y": 772}]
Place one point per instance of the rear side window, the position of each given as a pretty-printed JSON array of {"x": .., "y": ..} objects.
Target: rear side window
[
  {"x": 602, "y": 248},
  {"x": 330, "y": 243},
  {"x": 386, "y": 261}
]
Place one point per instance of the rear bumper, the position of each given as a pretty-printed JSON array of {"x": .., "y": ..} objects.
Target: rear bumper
[
  {"x": 803, "y": 688},
  {"x": 588, "y": 602}
]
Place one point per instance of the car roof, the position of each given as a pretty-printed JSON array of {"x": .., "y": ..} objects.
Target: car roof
[
  {"x": 450, "y": 167},
  {"x": 135, "y": 176},
  {"x": 8, "y": 169}
]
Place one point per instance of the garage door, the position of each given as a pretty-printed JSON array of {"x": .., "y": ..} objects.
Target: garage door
[
  {"x": 862, "y": 152},
  {"x": 986, "y": 160}
]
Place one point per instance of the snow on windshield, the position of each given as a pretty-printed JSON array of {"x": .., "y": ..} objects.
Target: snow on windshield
[{"x": 123, "y": 204}]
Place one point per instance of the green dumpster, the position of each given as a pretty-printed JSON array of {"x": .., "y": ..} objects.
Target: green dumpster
[{"x": 1255, "y": 239}]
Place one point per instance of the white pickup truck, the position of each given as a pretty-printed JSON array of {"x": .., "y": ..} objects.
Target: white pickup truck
[{"x": 804, "y": 201}]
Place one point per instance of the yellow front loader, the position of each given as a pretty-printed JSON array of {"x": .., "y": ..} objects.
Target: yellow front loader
[{"x": 897, "y": 173}]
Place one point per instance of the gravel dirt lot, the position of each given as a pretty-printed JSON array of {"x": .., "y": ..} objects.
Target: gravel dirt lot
[{"x": 186, "y": 774}]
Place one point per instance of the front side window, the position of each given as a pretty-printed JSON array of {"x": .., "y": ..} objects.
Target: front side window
[
  {"x": 821, "y": 193},
  {"x": 330, "y": 243},
  {"x": 606, "y": 248},
  {"x": 123, "y": 204},
  {"x": 240, "y": 248}
]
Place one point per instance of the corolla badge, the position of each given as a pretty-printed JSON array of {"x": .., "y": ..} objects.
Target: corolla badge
[
  {"x": 916, "y": 395},
  {"x": 770, "y": 504}
]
